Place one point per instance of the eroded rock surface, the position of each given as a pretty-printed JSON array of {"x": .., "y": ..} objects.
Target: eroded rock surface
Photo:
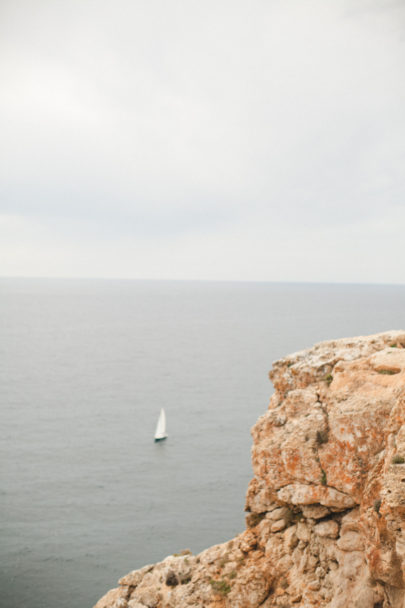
[{"x": 326, "y": 506}]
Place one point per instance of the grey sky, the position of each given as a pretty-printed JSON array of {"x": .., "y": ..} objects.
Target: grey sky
[{"x": 259, "y": 140}]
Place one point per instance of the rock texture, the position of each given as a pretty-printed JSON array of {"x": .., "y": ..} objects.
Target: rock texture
[{"x": 326, "y": 507}]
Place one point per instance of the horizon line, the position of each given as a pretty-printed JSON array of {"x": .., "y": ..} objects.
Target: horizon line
[{"x": 171, "y": 280}]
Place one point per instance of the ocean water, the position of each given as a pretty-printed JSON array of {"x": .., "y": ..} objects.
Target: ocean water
[{"x": 86, "y": 365}]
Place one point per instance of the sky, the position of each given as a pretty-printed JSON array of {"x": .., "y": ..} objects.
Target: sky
[{"x": 255, "y": 140}]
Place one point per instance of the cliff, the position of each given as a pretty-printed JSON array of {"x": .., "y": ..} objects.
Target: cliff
[{"x": 326, "y": 507}]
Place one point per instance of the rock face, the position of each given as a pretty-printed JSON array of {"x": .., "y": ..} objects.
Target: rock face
[{"x": 326, "y": 506}]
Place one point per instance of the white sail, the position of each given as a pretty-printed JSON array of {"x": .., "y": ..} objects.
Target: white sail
[{"x": 161, "y": 426}]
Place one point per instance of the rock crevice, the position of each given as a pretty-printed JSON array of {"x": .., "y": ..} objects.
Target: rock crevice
[{"x": 325, "y": 521}]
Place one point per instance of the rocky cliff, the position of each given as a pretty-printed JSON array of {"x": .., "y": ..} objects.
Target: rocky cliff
[{"x": 326, "y": 507}]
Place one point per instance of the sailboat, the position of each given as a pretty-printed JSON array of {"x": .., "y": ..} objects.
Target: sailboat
[{"x": 161, "y": 427}]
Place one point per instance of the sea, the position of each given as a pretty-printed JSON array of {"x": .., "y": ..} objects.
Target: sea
[{"x": 85, "y": 367}]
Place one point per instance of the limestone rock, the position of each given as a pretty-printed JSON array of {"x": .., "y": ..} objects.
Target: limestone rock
[
  {"x": 314, "y": 511},
  {"x": 327, "y": 529},
  {"x": 326, "y": 506},
  {"x": 303, "y": 532},
  {"x": 278, "y": 525}
]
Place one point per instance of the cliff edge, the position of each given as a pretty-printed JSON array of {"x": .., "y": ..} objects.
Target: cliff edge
[{"x": 326, "y": 507}]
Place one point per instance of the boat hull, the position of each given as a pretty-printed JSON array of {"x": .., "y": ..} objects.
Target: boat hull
[{"x": 160, "y": 439}]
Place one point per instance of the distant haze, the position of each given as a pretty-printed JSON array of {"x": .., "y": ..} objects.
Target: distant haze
[{"x": 226, "y": 140}]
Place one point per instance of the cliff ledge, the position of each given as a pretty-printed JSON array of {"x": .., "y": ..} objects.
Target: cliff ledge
[{"x": 325, "y": 521}]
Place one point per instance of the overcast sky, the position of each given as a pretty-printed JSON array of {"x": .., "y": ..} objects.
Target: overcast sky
[{"x": 215, "y": 139}]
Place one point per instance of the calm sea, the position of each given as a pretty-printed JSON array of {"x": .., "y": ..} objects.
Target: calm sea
[{"x": 86, "y": 365}]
